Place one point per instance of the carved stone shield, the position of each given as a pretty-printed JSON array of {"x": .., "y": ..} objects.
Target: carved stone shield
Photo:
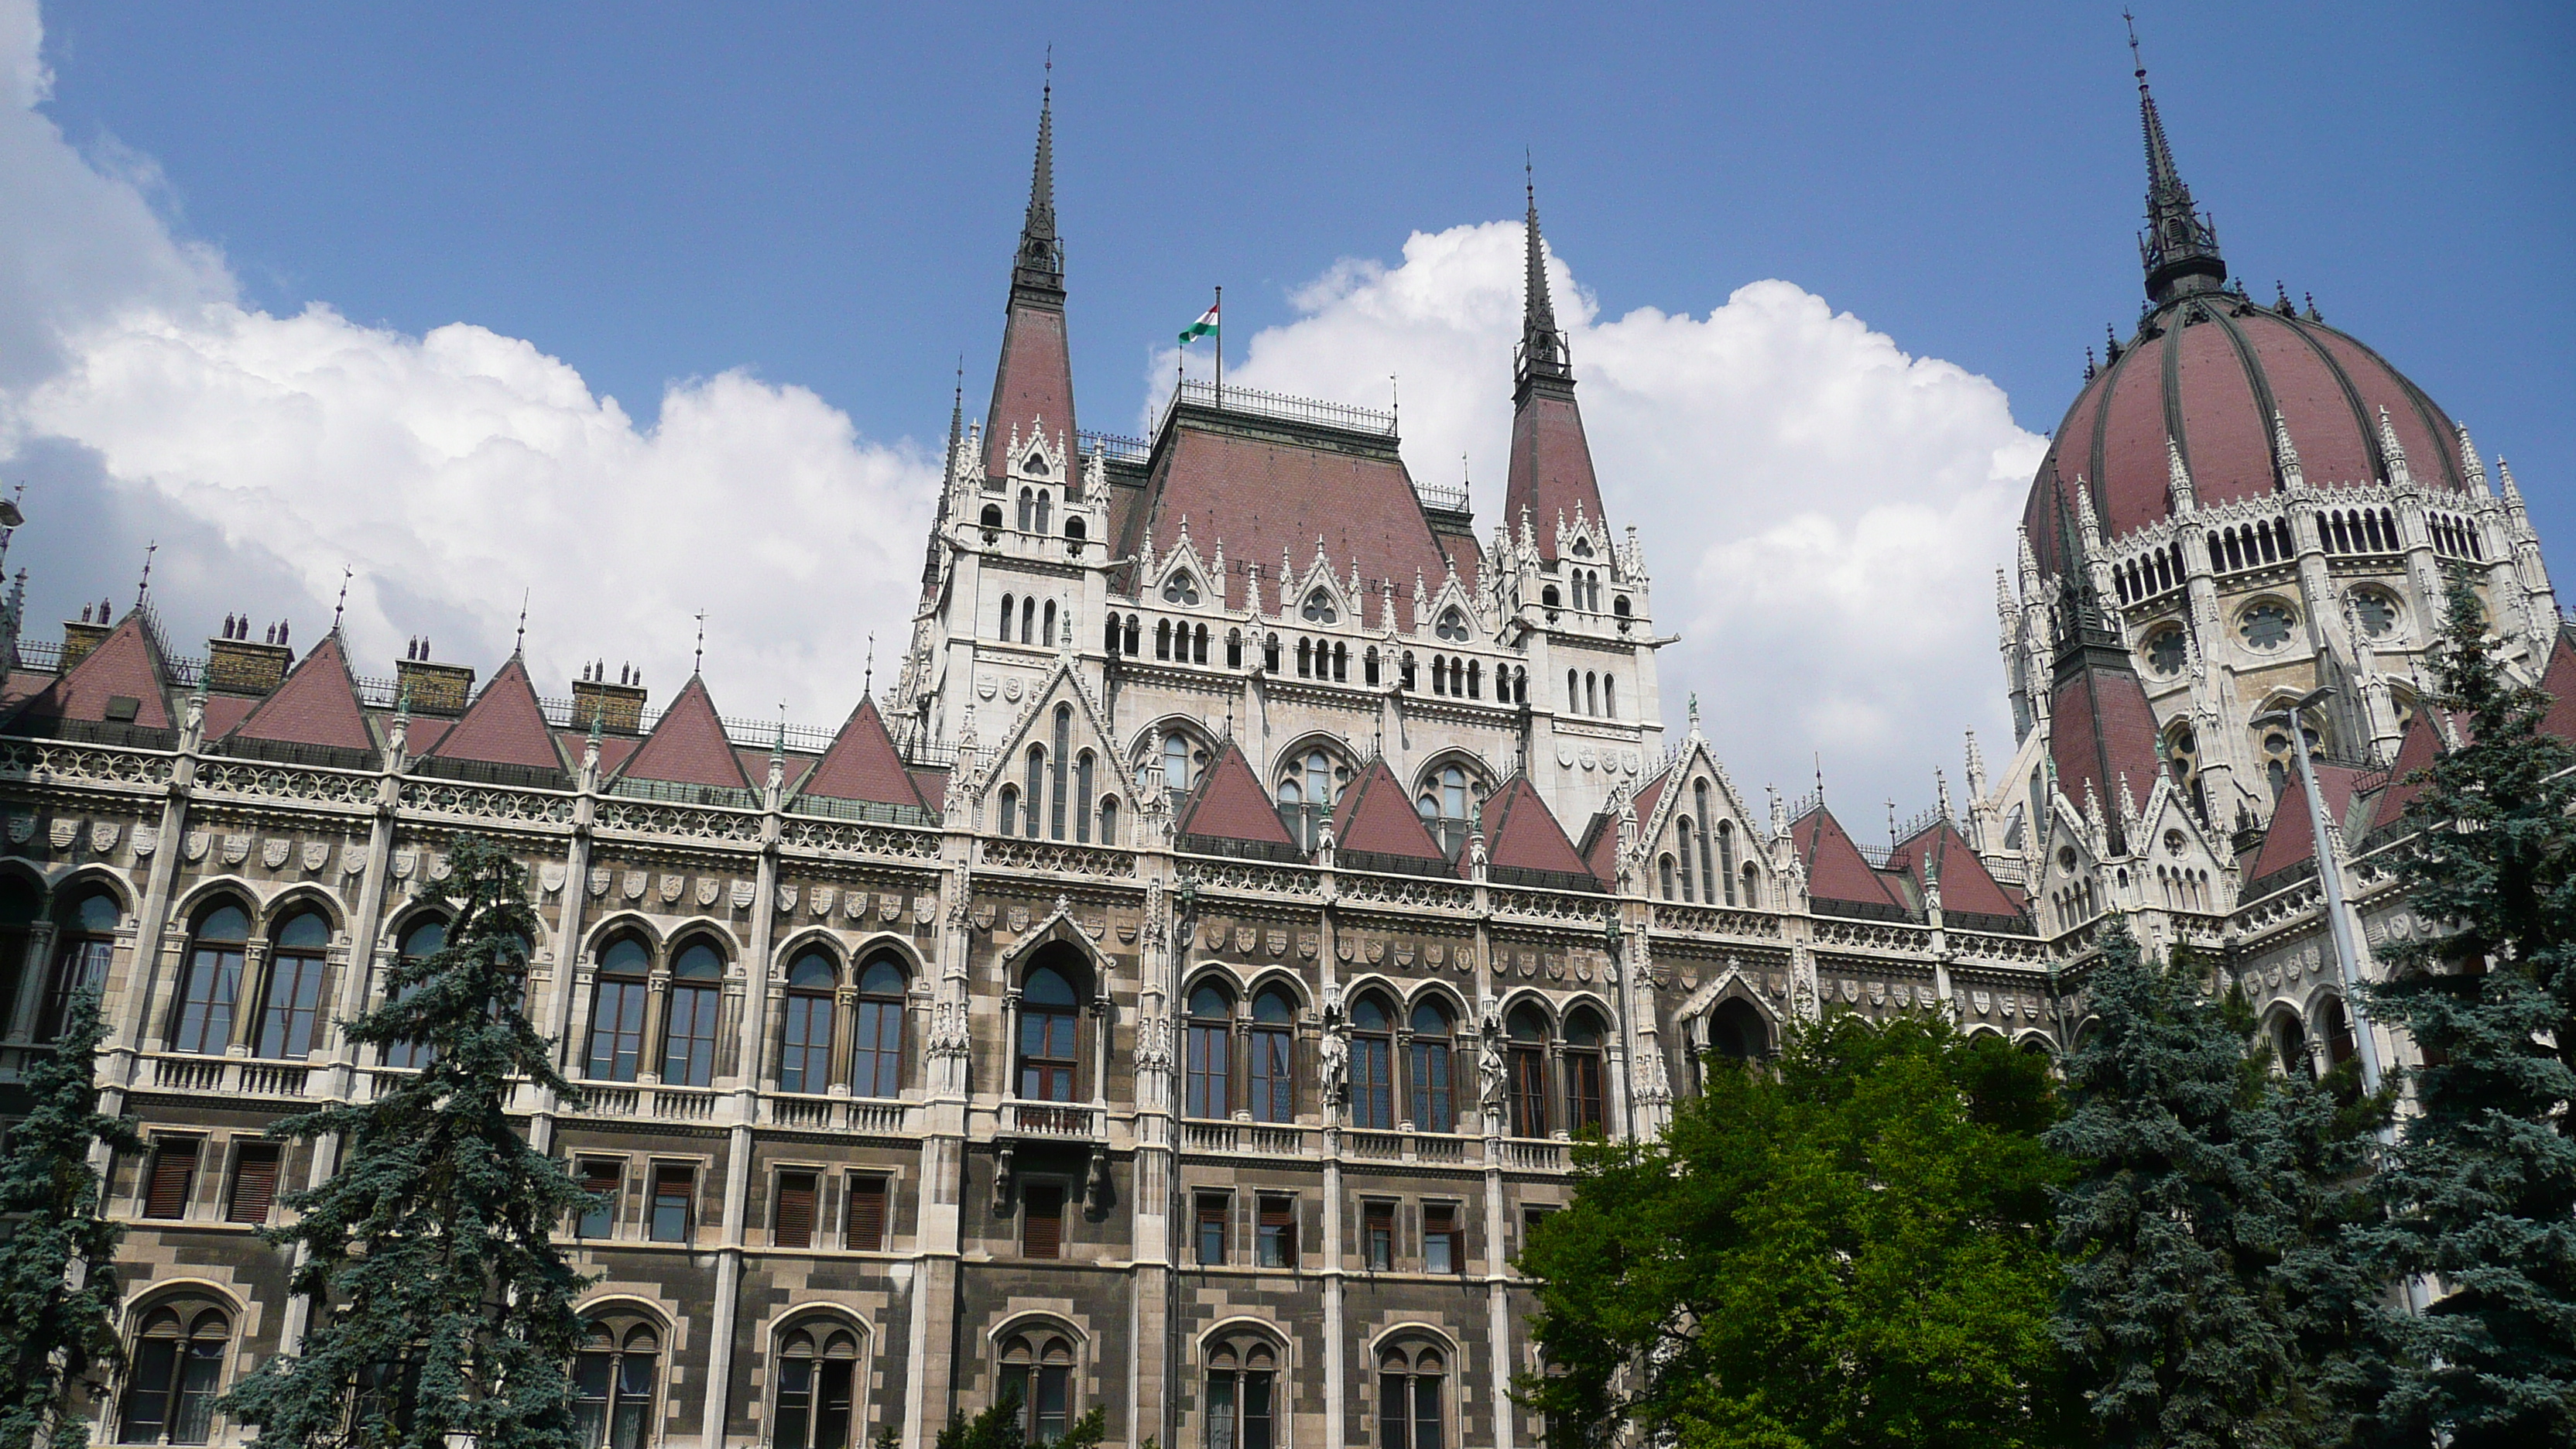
[
  {"x": 102, "y": 835},
  {"x": 1127, "y": 934},
  {"x": 672, "y": 885},
  {"x": 1902, "y": 992},
  {"x": 1243, "y": 938},
  {"x": 147, "y": 838},
  {"x": 1308, "y": 942},
  {"x": 1019, "y": 919},
  {"x": 439, "y": 866},
  {"x": 1981, "y": 1001},
  {"x": 923, "y": 908},
  {"x": 742, "y": 893},
  {"x": 1276, "y": 942},
  {"x": 2011, "y": 1005},
  {"x": 1779, "y": 984},
  {"x": 1342, "y": 947},
  {"x": 823, "y": 898},
  {"x": 63, "y": 833},
  {"x": 1878, "y": 993},
  {"x": 1216, "y": 940},
  {"x": 599, "y": 877},
  {"x": 23, "y": 825},
  {"x": 1851, "y": 989},
  {"x": 787, "y": 897},
  {"x": 272, "y": 852},
  {"x": 1375, "y": 951},
  {"x": 890, "y": 907},
  {"x": 353, "y": 857},
  {"x": 709, "y": 888},
  {"x": 1583, "y": 969},
  {"x": 317, "y": 854},
  {"x": 1404, "y": 954},
  {"x": 631, "y": 885},
  {"x": 405, "y": 857},
  {"x": 983, "y": 917},
  {"x": 551, "y": 876},
  {"x": 1097, "y": 928}
]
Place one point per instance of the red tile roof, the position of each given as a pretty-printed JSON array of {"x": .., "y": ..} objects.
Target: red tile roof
[
  {"x": 1836, "y": 870},
  {"x": 1375, "y": 816},
  {"x": 503, "y": 726},
  {"x": 862, "y": 764},
  {"x": 2417, "y": 748},
  {"x": 688, "y": 746},
  {"x": 125, "y": 663},
  {"x": 21, "y": 685},
  {"x": 1966, "y": 885},
  {"x": 225, "y": 712},
  {"x": 2290, "y": 839},
  {"x": 1229, "y": 803},
  {"x": 614, "y": 750},
  {"x": 2100, "y": 728},
  {"x": 1551, "y": 467},
  {"x": 933, "y": 785},
  {"x": 1601, "y": 837},
  {"x": 1521, "y": 832},
  {"x": 1262, "y": 497},
  {"x": 1033, "y": 381},
  {"x": 2560, "y": 680},
  {"x": 316, "y": 705}
]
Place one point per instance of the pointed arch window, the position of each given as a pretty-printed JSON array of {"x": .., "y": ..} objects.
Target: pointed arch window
[
  {"x": 1372, "y": 1061},
  {"x": 1241, "y": 1393},
  {"x": 1028, "y": 509},
  {"x": 1036, "y": 791},
  {"x": 1270, "y": 1064},
  {"x": 617, "y": 1000},
  {"x": 1162, "y": 638},
  {"x": 424, "y": 939},
  {"x": 689, "y": 1039},
  {"x": 1434, "y": 1107},
  {"x": 1234, "y": 648},
  {"x": 1665, "y": 870},
  {"x": 1056, "y": 782},
  {"x": 805, "y": 1050},
  {"x": 613, "y": 1382},
  {"x": 1048, "y": 1018},
  {"x": 1037, "y": 1371},
  {"x": 1082, "y": 770},
  {"x": 1045, "y": 501},
  {"x": 292, "y": 1005},
  {"x": 175, "y": 1368},
  {"x": 1199, "y": 644},
  {"x": 876, "y": 1064},
  {"x": 1682, "y": 834},
  {"x": 1209, "y": 1066},
  {"x": 1008, "y": 605},
  {"x": 1707, "y": 863},
  {"x": 210, "y": 985},
  {"x": 1176, "y": 762},
  {"x": 1583, "y": 1048},
  {"x": 1527, "y": 1033},
  {"x": 84, "y": 947},
  {"x": 1010, "y": 809},
  {"x": 1411, "y": 1390},
  {"x": 817, "y": 1388}
]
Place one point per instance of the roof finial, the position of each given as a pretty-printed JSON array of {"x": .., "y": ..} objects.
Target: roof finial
[
  {"x": 867, "y": 681},
  {"x": 2179, "y": 248},
  {"x": 698, "y": 660},
  {"x": 143, "y": 590},
  {"x": 520, "y": 644}
]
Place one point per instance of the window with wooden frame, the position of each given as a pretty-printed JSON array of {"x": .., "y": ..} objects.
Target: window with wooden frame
[
  {"x": 1037, "y": 1373},
  {"x": 292, "y": 1008},
  {"x": 1276, "y": 1239},
  {"x": 1042, "y": 1220},
  {"x": 424, "y": 939},
  {"x": 805, "y": 1035},
  {"x": 1208, "y": 1218},
  {"x": 791, "y": 1215},
  {"x": 174, "y": 1368},
  {"x": 1269, "y": 1058},
  {"x": 689, "y": 1030},
  {"x": 1527, "y": 1031},
  {"x": 817, "y": 1387},
  {"x": 674, "y": 1207},
  {"x": 876, "y": 1066},
  {"x": 1242, "y": 1394},
  {"x": 1443, "y": 1245},
  {"x": 1412, "y": 1384},
  {"x": 614, "y": 1379},
  {"x": 1583, "y": 1047},
  {"x": 617, "y": 1003},
  {"x": 1208, "y": 1059},
  {"x": 602, "y": 1178},
  {"x": 210, "y": 982},
  {"x": 170, "y": 1178},
  {"x": 1377, "y": 1236},
  {"x": 84, "y": 945},
  {"x": 863, "y": 1226},
  {"x": 254, "y": 1184}
]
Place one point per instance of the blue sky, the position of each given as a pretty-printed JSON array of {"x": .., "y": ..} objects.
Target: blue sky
[{"x": 712, "y": 206}]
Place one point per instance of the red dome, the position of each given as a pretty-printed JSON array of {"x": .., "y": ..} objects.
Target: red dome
[{"x": 2208, "y": 370}]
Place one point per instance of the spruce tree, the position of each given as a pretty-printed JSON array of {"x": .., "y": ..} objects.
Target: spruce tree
[
  {"x": 2480, "y": 1187},
  {"x": 54, "y": 1336},
  {"x": 2205, "y": 1302},
  {"x": 441, "y": 1305}
]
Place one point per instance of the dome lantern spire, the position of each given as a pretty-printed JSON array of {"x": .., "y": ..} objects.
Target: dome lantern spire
[
  {"x": 2179, "y": 247},
  {"x": 1543, "y": 353}
]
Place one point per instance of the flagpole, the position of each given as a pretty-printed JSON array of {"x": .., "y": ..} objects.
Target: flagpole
[{"x": 1220, "y": 349}]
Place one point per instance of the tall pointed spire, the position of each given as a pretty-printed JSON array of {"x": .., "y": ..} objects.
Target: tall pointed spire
[
  {"x": 2179, "y": 248},
  {"x": 1041, "y": 259},
  {"x": 1543, "y": 355},
  {"x": 1551, "y": 460},
  {"x": 1033, "y": 384}
]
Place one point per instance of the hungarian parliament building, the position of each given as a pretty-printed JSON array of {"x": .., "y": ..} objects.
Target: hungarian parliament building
[{"x": 1180, "y": 995}]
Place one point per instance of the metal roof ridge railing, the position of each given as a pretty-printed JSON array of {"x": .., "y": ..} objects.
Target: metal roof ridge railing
[{"x": 1253, "y": 402}]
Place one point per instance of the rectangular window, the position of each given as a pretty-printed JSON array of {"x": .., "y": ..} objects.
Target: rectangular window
[
  {"x": 601, "y": 1178},
  {"x": 1041, "y": 1221},
  {"x": 173, "y": 1178},
  {"x": 254, "y": 1183},
  {"x": 1440, "y": 1239},
  {"x": 1211, "y": 1212},
  {"x": 865, "y": 1227},
  {"x": 1273, "y": 1085},
  {"x": 675, "y": 1187},
  {"x": 1377, "y": 1236},
  {"x": 1278, "y": 1232},
  {"x": 791, "y": 1222}
]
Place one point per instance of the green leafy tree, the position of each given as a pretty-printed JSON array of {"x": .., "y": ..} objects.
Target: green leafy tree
[
  {"x": 999, "y": 1428},
  {"x": 1852, "y": 1249},
  {"x": 2481, "y": 1185},
  {"x": 58, "y": 1283},
  {"x": 2205, "y": 1304},
  {"x": 441, "y": 1305}
]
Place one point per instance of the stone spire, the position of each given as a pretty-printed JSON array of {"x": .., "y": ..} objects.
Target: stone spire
[
  {"x": 1033, "y": 383},
  {"x": 1551, "y": 460},
  {"x": 1040, "y": 267},
  {"x": 1543, "y": 352},
  {"x": 2179, "y": 248}
]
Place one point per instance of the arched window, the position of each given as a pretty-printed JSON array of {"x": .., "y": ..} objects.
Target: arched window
[
  {"x": 1047, "y": 625},
  {"x": 2338, "y": 1031},
  {"x": 613, "y": 1381},
  {"x": 991, "y": 518},
  {"x": 1063, "y": 744},
  {"x": 1609, "y": 697},
  {"x": 1527, "y": 1031},
  {"x": 1037, "y": 1371},
  {"x": 805, "y": 1050},
  {"x": 175, "y": 1369},
  {"x": 1036, "y": 790},
  {"x": 1305, "y": 658},
  {"x": 1028, "y": 621},
  {"x": 1010, "y": 809},
  {"x": 1411, "y": 1389},
  {"x": 817, "y": 1387},
  {"x": 1583, "y": 1042},
  {"x": 423, "y": 940},
  {"x": 1548, "y": 597},
  {"x": 1162, "y": 638},
  {"x": 1726, "y": 857},
  {"x": 1006, "y": 618},
  {"x": 84, "y": 944},
  {"x": 1270, "y": 653},
  {"x": 1028, "y": 509},
  {"x": 617, "y": 999},
  {"x": 1128, "y": 642},
  {"x": 1574, "y": 691},
  {"x": 1176, "y": 762},
  {"x": 1075, "y": 529},
  {"x": 1109, "y": 820},
  {"x": 1048, "y": 1019},
  {"x": 1372, "y": 1064},
  {"x": 1736, "y": 1030},
  {"x": 211, "y": 983},
  {"x": 689, "y": 1039},
  {"x": 2290, "y": 1044},
  {"x": 1210, "y": 1065},
  {"x": 1198, "y": 644},
  {"x": 1434, "y": 1107},
  {"x": 1752, "y": 887},
  {"x": 1306, "y": 791},
  {"x": 1664, "y": 868},
  {"x": 293, "y": 1003},
  {"x": 1234, "y": 649},
  {"x": 1682, "y": 832},
  {"x": 1272, "y": 1067},
  {"x": 1082, "y": 798},
  {"x": 1404, "y": 672},
  {"x": 1109, "y": 636},
  {"x": 1044, "y": 502},
  {"x": 876, "y": 1066},
  {"x": 1591, "y": 693},
  {"x": 1341, "y": 663},
  {"x": 1445, "y": 805},
  {"x": 1242, "y": 1391},
  {"x": 1368, "y": 667}
]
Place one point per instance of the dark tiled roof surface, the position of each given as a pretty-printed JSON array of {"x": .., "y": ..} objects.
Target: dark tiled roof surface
[
  {"x": 862, "y": 764},
  {"x": 503, "y": 726},
  {"x": 1229, "y": 803},
  {"x": 614, "y": 750},
  {"x": 316, "y": 705},
  {"x": 1262, "y": 497},
  {"x": 1836, "y": 870},
  {"x": 1034, "y": 380},
  {"x": 1601, "y": 842},
  {"x": 1520, "y": 831},
  {"x": 688, "y": 745},
  {"x": 1375, "y": 816},
  {"x": 19, "y": 686},
  {"x": 2291, "y": 838},
  {"x": 1551, "y": 468},
  {"x": 933, "y": 785},
  {"x": 1966, "y": 885},
  {"x": 124, "y": 663},
  {"x": 2101, "y": 727}
]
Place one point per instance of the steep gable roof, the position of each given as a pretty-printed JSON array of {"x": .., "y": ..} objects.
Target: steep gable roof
[
  {"x": 1601, "y": 837},
  {"x": 1375, "y": 817},
  {"x": 688, "y": 745},
  {"x": 2100, "y": 729},
  {"x": 503, "y": 726},
  {"x": 1521, "y": 833},
  {"x": 2291, "y": 838},
  {"x": 863, "y": 764},
  {"x": 2560, "y": 681},
  {"x": 1228, "y": 803},
  {"x": 1837, "y": 873},
  {"x": 126, "y": 664},
  {"x": 316, "y": 705},
  {"x": 1968, "y": 890}
]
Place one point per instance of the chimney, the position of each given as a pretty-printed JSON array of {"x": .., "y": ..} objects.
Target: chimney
[
  {"x": 80, "y": 638},
  {"x": 442, "y": 689},
  {"x": 618, "y": 708},
  {"x": 245, "y": 665}
]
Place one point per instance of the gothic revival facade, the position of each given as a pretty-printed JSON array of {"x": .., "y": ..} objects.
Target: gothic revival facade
[{"x": 1180, "y": 997}]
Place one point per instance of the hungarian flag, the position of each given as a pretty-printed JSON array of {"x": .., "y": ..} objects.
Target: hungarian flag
[{"x": 1204, "y": 327}]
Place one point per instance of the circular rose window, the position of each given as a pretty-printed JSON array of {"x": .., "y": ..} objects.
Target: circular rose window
[
  {"x": 2266, "y": 626},
  {"x": 2376, "y": 612}
]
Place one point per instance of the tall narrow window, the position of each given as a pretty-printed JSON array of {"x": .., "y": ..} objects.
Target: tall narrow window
[
  {"x": 817, "y": 1375},
  {"x": 1726, "y": 858},
  {"x": 1063, "y": 743},
  {"x": 1277, "y": 1231},
  {"x": 1377, "y": 1236},
  {"x": 1372, "y": 1062},
  {"x": 1443, "y": 1247},
  {"x": 1176, "y": 762},
  {"x": 604, "y": 1179},
  {"x": 1664, "y": 874},
  {"x": 211, "y": 983},
  {"x": 1109, "y": 820},
  {"x": 175, "y": 1368},
  {"x": 1410, "y": 1388},
  {"x": 1046, "y": 623},
  {"x": 1010, "y": 809},
  {"x": 1434, "y": 1107},
  {"x": 84, "y": 945},
  {"x": 1528, "y": 1033},
  {"x": 1042, "y": 1220},
  {"x": 1583, "y": 1072},
  {"x": 254, "y": 1185},
  {"x": 1040, "y": 1376},
  {"x": 1028, "y": 621},
  {"x": 174, "y": 1177},
  {"x": 791, "y": 1220},
  {"x": 805, "y": 1048},
  {"x": 1208, "y": 1220},
  {"x": 689, "y": 1041},
  {"x": 613, "y": 1379},
  {"x": 1047, "y": 1019},
  {"x": 424, "y": 940},
  {"x": 1273, "y": 1079},
  {"x": 1198, "y": 644},
  {"x": 877, "y": 1068},
  {"x": 294, "y": 998},
  {"x": 1209, "y": 1066},
  {"x": 675, "y": 1191},
  {"x": 1082, "y": 799},
  {"x": 1241, "y": 1384},
  {"x": 1007, "y": 617},
  {"x": 1682, "y": 832},
  {"x": 617, "y": 1011},
  {"x": 864, "y": 1227},
  {"x": 1037, "y": 789}
]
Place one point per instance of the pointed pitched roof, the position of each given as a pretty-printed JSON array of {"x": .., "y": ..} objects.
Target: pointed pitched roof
[
  {"x": 863, "y": 764},
  {"x": 1970, "y": 895},
  {"x": 1601, "y": 838},
  {"x": 1034, "y": 378},
  {"x": 1228, "y": 803},
  {"x": 503, "y": 726},
  {"x": 688, "y": 745},
  {"x": 1521, "y": 833},
  {"x": 2559, "y": 679},
  {"x": 126, "y": 664},
  {"x": 1838, "y": 875},
  {"x": 316, "y": 705},
  {"x": 2291, "y": 838},
  {"x": 1374, "y": 817},
  {"x": 1551, "y": 460}
]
